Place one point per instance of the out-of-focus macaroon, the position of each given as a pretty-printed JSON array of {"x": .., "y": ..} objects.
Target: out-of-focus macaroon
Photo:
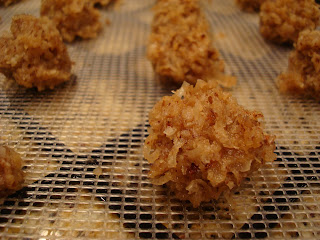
[
  {"x": 180, "y": 45},
  {"x": 303, "y": 74},
  {"x": 34, "y": 54},
  {"x": 281, "y": 21},
  {"x": 11, "y": 174},
  {"x": 73, "y": 18}
]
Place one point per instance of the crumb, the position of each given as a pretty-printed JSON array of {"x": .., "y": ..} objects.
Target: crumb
[
  {"x": 303, "y": 73},
  {"x": 250, "y": 5},
  {"x": 201, "y": 143},
  {"x": 74, "y": 79},
  {"x": 180, "y": 46},
  {"x": 107, "y": 21},
  {"x": 281, "y": 21},
  {"x": 97, "y": 171},
  {"x": 220, "y": 35},
  {"x": 73, "y": 18},
  {"x": 8, "y": 2},
  {"x": 11, "y": 174},
  {"x": 34, "y": 55}
]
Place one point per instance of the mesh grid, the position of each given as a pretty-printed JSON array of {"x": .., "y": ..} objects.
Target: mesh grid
[{"x": 85, "y": 172}]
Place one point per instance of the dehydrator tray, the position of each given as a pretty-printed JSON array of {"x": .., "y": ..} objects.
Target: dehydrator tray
[{"x": 86, "y": 177}]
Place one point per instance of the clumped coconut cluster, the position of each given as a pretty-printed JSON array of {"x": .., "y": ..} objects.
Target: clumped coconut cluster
[
  {"x": 34, "y": 55},
  {"x": 303, "y": 74},
  {"x": 202, "y": 143},
  {"x": 180, "y": 47},
  {"x": 281, "y": 21},
  {"x": 73, "y": 18},
  {"x": 11, "y": 174}
]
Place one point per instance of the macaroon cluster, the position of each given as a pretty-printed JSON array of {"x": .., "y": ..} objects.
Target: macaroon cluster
[
  {"x": 202, "y": 143},
  {"x": 281, "y": 21},
  {"x": 73, "y": 18},
  {"x": 303, "y": 74},
  {"x": 11, "y": 174},
  {"x": 34, "y": 55},
  {"x": 180, "y": 47}
]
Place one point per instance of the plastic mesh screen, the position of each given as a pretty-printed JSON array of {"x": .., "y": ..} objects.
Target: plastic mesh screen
[{"x": 86, "y": 176}]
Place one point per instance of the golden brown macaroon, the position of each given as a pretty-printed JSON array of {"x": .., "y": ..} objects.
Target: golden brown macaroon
[
  {"x": 180, "y": 46},
  {"x": 8, "y": 2},
  {"x": 303, "y": 74},
  {"x": 11, "y": 174},
  {"x": 34, "y": 55},
  {"x": 281, "y": 21},
  {"x": 73, "y": 18},
  {"x": 250, "y": 5},
  {"x": 201, "y": 143}
]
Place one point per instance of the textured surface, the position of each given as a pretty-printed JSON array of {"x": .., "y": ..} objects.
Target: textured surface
[
  {"x": 85, "y": 174},
  {"x": 34, "y": 54},
  {"x": 202, "y": 143}
]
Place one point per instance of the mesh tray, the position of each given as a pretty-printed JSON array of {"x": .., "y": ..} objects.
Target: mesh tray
[{"x": 86, "y": 176}]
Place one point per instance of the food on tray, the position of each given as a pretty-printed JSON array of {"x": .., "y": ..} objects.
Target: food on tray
[
  {"x": 303, "y": 73},
  {"x": 201, "y": 143},
  {"x": 250, "y": 5},
  {"x": 180, "y": 45},
  {"x": 281, "y": 21},
  {"x": 11, "y": 174},
  {"x": 34, "y": 54},
  {"x": 73, "y": 18}
]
